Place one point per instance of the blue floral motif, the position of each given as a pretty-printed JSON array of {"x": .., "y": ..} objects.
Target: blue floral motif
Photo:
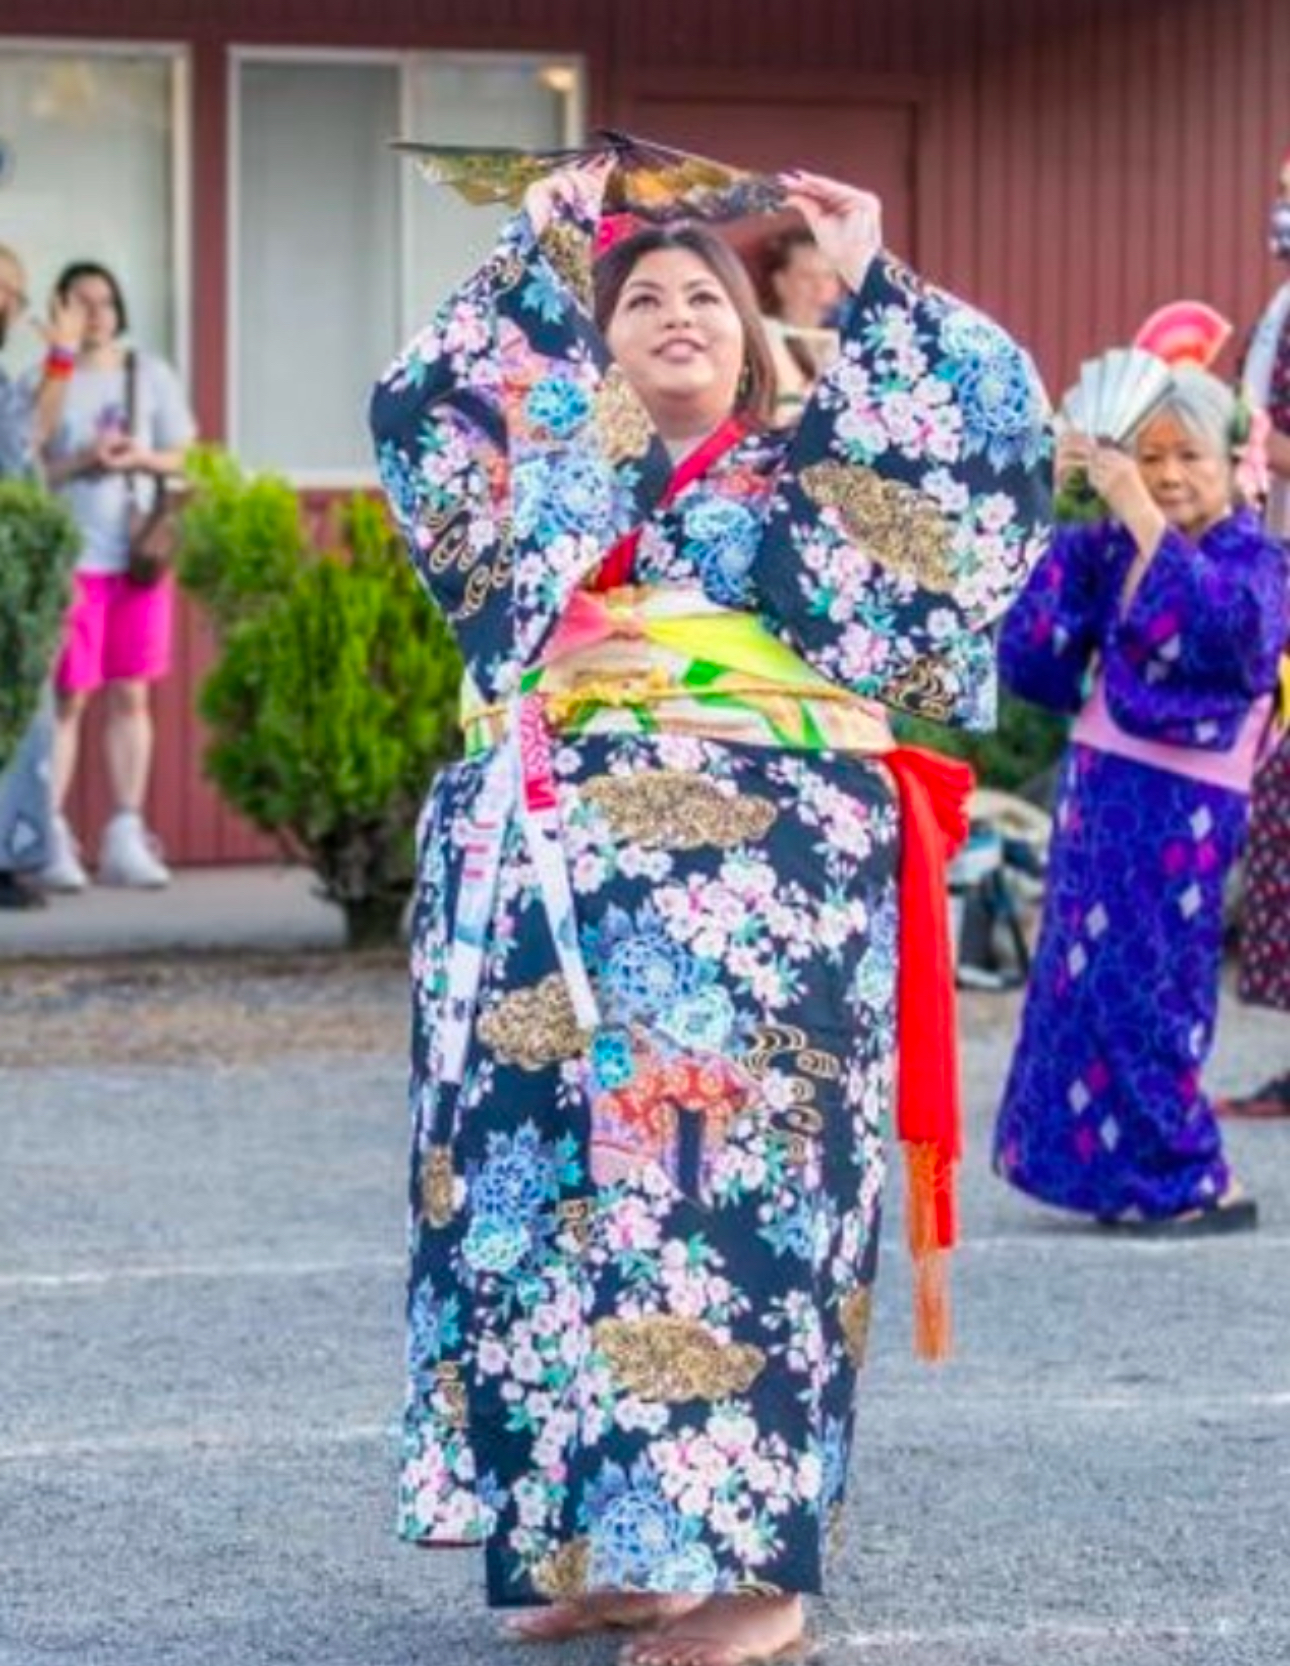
[
  {"x": 612, "y": 1063},
  {"x": 639, "y": 1540},
  {"x": 569, "y": 492},
  {"x": 559, "y": 405},
  {"x": 511, "y": 1195},
  {"x": 643, "y": 971},
  {"x": 997, "y": 392},
  {"x": 720, "y": 537},
  {"x": 703, "y": 1022},
  {"x": 399, "y": 478},
  {"x": 434, "y": 1328},
  {"x": 544, "y": 296}
]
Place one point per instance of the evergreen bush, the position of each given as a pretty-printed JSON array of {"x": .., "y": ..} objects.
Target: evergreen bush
[
  {"x": 38, "y": 547},
  {"x": 334, "y": 699},
  {"x": 1022, "y": 748}
]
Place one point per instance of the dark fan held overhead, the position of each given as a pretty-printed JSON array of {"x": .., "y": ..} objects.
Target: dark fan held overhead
[{"x": 651, "y": 182}]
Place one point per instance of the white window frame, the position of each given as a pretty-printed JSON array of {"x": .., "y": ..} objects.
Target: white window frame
[
  {"x": 409, "y": 184},
  {"x": 179, "y": 57}
]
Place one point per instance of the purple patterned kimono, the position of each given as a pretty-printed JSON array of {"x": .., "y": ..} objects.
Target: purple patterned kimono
[{"x": 1104, "y": 1111}]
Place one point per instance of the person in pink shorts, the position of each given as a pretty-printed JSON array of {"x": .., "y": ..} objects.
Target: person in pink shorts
[{"x": 125, "y": 425}]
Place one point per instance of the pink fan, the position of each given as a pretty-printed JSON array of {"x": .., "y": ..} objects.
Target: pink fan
[{"x": 1185, "y": 332}]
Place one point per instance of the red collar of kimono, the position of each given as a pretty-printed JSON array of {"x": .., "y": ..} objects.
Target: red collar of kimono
[{"x": 616, "y": 568}]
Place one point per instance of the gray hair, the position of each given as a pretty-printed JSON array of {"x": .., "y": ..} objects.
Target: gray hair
[{"x": 1201, "y": 404}]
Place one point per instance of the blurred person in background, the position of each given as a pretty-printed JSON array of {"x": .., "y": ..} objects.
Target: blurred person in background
[
  {"x": 124, "y": 427},
  {"x": 28, "y": 411},
  {"x": 1265, "y": 909},
  {"x": 801, "y": 295},
  {"x": 1160, "y": 627}
]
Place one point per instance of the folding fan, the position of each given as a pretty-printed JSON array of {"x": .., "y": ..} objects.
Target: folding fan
[
  {"x": 650, "y": 181},
  {"x": 1185, "y": 332},
  {"x": 1115, "y": 394}
]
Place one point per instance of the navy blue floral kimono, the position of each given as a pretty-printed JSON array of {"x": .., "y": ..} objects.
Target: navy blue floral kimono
[{"x": 653, "y": 993}]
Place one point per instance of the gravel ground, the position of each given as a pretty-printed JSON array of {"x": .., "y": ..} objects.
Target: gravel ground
[
  {"x": 215, "y": 1009},
  {"x": 201, "y": 1181}
]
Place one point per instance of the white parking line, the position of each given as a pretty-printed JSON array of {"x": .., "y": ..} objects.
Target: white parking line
[
  {"x": 190, "y": 1442},
  {"x": 92, "y": 1278},
  {"x": 1047, "y": 1631}
]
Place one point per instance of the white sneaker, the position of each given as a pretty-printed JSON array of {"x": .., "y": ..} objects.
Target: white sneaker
[
  {"x": 130, "y": 855},
  {"x": 63, "y": 871}
]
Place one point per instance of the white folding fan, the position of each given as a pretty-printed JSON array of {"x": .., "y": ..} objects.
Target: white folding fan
[{"x": 1115, "y": 394}]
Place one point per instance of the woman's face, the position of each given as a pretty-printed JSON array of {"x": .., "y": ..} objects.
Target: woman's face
[
  {"x": 679, "y": 341},
  {"x": 101, "y": 320},
  {"x": 807, "y": 288},
  {"x": 1190, "y": 482}
]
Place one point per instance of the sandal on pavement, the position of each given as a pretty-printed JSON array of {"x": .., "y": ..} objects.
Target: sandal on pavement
[
  {"x": 687, "y": 1642},
  {"x": 562, "y": 1621},
  {"x": 1270, "y": 1100},
  {"x": 674, "y": 1648},
  {"x": 1235, "y": 1211}
]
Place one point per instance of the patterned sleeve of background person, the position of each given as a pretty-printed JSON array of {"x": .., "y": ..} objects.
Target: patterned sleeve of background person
[
  {"x": 15, "y": 429},
  {"x": 513, "y": 455},
  {"x": 1052, "y": 631},
  {"x": 913, "y": 503},
  {"x": 1201, "y": 639}
]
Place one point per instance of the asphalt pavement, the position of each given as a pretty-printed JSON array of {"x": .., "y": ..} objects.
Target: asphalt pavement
[{"x": 200, "y": 1345}]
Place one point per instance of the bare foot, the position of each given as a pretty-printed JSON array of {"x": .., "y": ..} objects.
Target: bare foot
[
  {"x": 600, "y": 1611},
  {"x": 725, "y": 1631}
]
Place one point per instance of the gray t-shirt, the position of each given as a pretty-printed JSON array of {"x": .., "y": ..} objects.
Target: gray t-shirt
[{"x": 95, "y": 403}]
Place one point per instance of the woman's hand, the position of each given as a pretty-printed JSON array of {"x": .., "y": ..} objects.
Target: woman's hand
[
  {"x": 65, "y": 328},
  {"x": 845, "y": 222},
  {"x": 1116, "y": 479},
  {"x": 577, "y": 189},
  {"x": 1074, "y": 455}
]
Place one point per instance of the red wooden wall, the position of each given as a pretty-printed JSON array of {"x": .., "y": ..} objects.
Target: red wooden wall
[{"x": 1069, "y": 164}]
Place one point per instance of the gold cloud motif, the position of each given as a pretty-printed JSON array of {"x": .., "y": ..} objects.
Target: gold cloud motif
[
  {"x": 665, "y": 1357},
  {"x": 534, "y": 1027},
  {"x": 894, "y": 524},
  {"x": 677, "y": 811}
]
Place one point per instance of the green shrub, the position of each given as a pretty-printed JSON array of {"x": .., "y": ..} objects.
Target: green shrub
[
  {"x": 1025, "y": 743},
  {"x": 243, "y": 540},
  {"x": 335, "y": 696},
  {"x": 38, "y": 546}
]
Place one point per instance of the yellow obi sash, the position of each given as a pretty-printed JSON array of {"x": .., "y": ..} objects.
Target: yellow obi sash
[{"x": 656, "y": 658}]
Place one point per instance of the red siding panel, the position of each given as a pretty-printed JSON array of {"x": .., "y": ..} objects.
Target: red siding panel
[{"x": 1072, "y": 164}]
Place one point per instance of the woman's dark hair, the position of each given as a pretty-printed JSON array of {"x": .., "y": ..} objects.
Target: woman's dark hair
[
  {"x": 755, "y": 397},
  {"x": 79, "y": 269},
  {"x": 775, "y": 256}
]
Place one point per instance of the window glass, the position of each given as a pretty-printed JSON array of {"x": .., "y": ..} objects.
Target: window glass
[{"x": 87, "y": 159}]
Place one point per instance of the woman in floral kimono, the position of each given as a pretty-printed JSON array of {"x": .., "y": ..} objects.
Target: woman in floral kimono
[
  {"x": 654, "y": 963},
  {"x": 1178, "y": 606}
]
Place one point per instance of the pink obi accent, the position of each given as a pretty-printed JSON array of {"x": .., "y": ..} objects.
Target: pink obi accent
[{"x": 1233, "y": 769}]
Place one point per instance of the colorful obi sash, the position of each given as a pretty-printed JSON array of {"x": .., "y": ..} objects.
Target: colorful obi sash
[{"x": 666, "y": 658}]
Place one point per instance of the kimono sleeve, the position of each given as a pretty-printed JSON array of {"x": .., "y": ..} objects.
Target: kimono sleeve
[
  {"x": 441, "y": 452},
  {"x": 513, "y": 454},
  {"x": 913, "y": 502},
  {"x": 1060, "y": 620},
  {"x": 1200, "y": 640}
]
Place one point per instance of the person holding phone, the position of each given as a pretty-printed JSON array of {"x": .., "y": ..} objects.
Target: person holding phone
[{"x": 125, "y": 426}]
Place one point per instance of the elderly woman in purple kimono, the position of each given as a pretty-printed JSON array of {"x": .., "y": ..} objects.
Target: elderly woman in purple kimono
[{"x": 1160, "y": 628}]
